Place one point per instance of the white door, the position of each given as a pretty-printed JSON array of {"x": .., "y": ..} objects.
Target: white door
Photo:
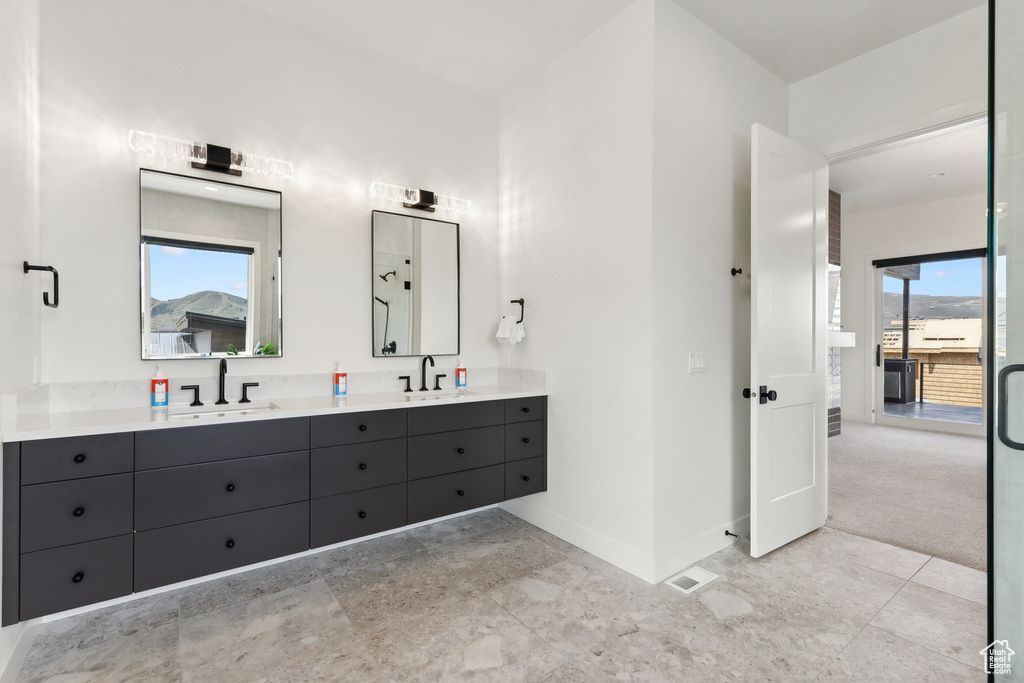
[{"x": 788, "y": 355}]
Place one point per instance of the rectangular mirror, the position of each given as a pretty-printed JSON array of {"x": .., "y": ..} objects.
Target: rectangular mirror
[
  {"x": 415, "y": 286},
  {"x": 210, "y": 260}
]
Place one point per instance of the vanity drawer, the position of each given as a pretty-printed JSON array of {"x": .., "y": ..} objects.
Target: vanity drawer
[
  {"x": 76, "y": 457},
  {"x": 352, "y": 515},
  {"x": 157, "y": 448},
  {"x": 524, "y": 440},
  {"x": 187, "y": 494},
  {"x": 465, "y": 449},
  {"x": 524, "y": 409},
  {"x": 185, "y": 551},
  {"x": 524, "y": 477},
  {"x": 343, "y": 469},
  {"x": 431, "y": 419},
  {"x": 338, "y": 430},
  {"x": 75, "y": 575},
  {"x": 76, "y": 511},
  {"x": 451, "y": 493}
]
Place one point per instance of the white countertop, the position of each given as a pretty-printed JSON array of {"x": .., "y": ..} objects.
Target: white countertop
[{"x": 49, "y": 425}]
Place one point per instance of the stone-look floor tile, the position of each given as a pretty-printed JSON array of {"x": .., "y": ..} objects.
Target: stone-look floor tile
[
  {"x": 954, "y": 579},
  {"x": 726, "y": 559},
  {"x": 568, "y": 549},
  {"x": 274, "y": 638},
  {"x": 375, "y": 551},
  {"x": 459, "y": 528},
  {"x": 877, "y": 656},
  {"x": 849, "y": 589},
  {"x": 945, "y": 623},
  {"x": 405, "y": 588},
  {"x": 572, "y": 606},
  {"x": 150, "y": 656},
  {"x": 792, "y": 632},
  {"x": 494, "y": 557},
  {"x": 210, "y": 596},
  {"x": 58, "y": 638},
  {"x": 834, "y": 544},
  {"x": 569, "y": 672},
  {"x": 473, "y": 640}
]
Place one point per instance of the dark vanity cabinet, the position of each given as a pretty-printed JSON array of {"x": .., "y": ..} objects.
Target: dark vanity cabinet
[{"x": 90, "y": 518}]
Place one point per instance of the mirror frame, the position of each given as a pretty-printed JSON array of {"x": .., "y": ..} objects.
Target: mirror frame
[
  {"x": 458, "y": 286},
  {"x": 279, "y": 293}
]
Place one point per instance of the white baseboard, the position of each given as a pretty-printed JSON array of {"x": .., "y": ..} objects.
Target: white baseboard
[
  {"x": 697, "y": 548},
  {"x": 594, "y": 542}
]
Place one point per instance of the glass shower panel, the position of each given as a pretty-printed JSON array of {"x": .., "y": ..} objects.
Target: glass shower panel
[{"x": 1006, "y": 436}]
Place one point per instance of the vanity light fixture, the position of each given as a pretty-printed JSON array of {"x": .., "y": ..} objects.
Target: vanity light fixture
[
  {"x": 424, "y": 200},
  {"x": 209, "y": 157}
]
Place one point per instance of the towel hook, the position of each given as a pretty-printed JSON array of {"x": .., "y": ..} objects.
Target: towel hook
[
  {"x": 522, "y": 310},
  {"x": 46, "y": 295}
]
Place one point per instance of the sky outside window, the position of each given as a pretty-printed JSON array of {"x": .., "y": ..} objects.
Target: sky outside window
[
  {"x": 179, "y": 271},
  {"x": 962, "y": 277}
]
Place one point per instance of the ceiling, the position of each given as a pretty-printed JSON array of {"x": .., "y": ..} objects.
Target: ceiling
[
  {"x": 491, "y": 46},
  {"x": 795, "y": 39},
  {"x": 900, "y": 175}
]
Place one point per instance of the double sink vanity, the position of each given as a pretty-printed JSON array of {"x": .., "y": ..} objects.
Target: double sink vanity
[{"x": 99, "y": 512}]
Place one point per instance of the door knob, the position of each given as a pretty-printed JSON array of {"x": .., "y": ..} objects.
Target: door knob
[
  {"x": 747, "y": 394},
  {"x": 772, "y": 395}
]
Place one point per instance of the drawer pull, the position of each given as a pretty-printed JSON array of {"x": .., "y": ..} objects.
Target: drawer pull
[
  {"x": 362, "y": 465},
  {"x": 362, "y": 428},
  {"x": 230, "y": 543},
  {"x": 460, "y": 451},
  {"x": 526, "y": 477},
  {"x": 461, "y": 492},
  {"x": 362, "y": 515},
  {"x": 78, "y": 512},
  {"x": 526, "y": 439},
  {"x": 229, "y": 488},
  {"x": 80, "y": 458},
  {"x": 526, "y": 409},
  {"x": 77, "y": 578}
]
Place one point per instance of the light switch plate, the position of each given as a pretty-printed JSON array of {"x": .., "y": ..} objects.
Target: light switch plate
[{"x": 698, "y": 361}]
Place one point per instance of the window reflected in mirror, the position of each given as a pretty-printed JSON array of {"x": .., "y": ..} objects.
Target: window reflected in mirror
[{"x": 210, "y": 264}]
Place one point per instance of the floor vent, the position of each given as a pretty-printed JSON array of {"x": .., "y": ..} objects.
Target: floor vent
[{"x": 691, "y": 579}]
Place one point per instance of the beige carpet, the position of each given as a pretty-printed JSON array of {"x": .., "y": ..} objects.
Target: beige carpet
[{"x": 923, "y": 491}]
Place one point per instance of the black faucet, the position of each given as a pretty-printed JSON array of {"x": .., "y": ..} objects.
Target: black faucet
[
  {"x": 423, "y": 372},
  {"x": 223, "y": 371}
]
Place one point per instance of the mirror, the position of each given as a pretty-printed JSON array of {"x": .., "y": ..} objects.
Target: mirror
[
  {"x": 415, "y": 286},
  {"x": 211, "y": 268}
]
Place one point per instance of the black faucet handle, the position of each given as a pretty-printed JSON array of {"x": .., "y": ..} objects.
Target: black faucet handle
[
  {"x": 245, "y": 391},
  {"x": 195, "y": 394},
  {"x": 437, "y": 381},
  {"x": 407, "y": 378}
]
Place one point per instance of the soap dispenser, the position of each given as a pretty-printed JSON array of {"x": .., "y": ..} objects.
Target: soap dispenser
[
  {"x": 460, "y": 375},
  {"x": 340, "y": 382},
  {"x": 158, "y": 393}
]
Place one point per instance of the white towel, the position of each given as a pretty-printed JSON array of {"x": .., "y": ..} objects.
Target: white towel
[
  {"x": 506, "y": 331},
  {"x": 520, "y": 332}
]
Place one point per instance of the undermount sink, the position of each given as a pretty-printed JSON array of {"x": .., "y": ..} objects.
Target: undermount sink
[
  {"x": 434, "y": 395},
  {"x": 232, "y": 410}
]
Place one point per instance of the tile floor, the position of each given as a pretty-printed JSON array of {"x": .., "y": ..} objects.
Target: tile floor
[{"x": 489, "y": 597}]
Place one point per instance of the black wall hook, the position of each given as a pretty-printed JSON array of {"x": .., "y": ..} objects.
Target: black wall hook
[
  {"x": 736, "y": 271},
  {"x": 56, "y": 290},
  {"x": 522, "y": 310}
]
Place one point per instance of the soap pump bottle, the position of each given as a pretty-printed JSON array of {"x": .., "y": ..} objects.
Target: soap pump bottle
[
  {"x": 158, "y": 390},
  {"x": 460, "y": 375},
  {"x": 340, "y": 382}
]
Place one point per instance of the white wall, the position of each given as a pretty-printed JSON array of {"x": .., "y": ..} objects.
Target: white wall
[
  {"x": 926, "y": 79},
  {"x": 576, "y": 192},
  {"x": 707, "y": 95},
  {"x": 20, "y": 298},
  {"x": 934, "y": 227},
  {"x": 344, "y": 119}
]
